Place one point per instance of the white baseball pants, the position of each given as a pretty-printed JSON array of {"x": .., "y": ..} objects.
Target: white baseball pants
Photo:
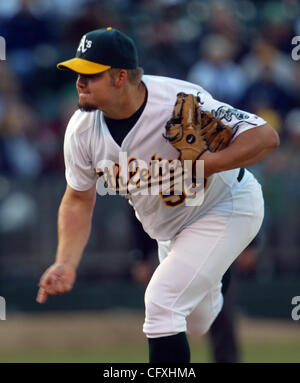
[{"x": 187, "y": 283}]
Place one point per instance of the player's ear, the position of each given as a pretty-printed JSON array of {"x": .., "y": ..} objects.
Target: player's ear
[{"x": 120, "y": 78}]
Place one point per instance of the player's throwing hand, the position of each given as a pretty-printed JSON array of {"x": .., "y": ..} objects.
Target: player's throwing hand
[{"x": 57, "y": 279}]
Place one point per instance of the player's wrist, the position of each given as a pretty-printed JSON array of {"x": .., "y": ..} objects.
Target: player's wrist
[
  {"x": 210, "y": 163},
  {"x": 67, "y": 263}
]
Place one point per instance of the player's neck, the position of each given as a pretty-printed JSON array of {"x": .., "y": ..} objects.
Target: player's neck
[{"x": 128, "y": 102}]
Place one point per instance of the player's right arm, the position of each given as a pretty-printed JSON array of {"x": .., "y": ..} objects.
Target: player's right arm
[
  {"x": 74, "y": 226},
  {"x": 76, "y": 208}
]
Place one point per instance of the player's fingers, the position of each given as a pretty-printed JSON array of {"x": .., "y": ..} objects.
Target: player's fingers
[
  {"x": 43, "y": 280},
  {"x": 47, "y": 279},
  {"x": 197, "y": 112},
  {"x": 62, "y": 286},
  {"x": 48, "y": 283},
  {"x": 210, "y": 130},
  {"x": 42, "y": 296},
  {"x": 216, "y": 144},
  {"x": 206, "y": 118},
  {"x": 177, "y": 112},
  {"x": 58, "y": 285},
  {"x": 174, "y": 132},
  {"x": 188, "y": 110}
]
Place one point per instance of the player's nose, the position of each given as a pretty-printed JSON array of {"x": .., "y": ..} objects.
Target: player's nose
[{"x": 82, "y": 81}]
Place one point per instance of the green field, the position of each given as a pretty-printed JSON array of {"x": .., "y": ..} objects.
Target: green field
[
  {"x": 116, "y": 337},
  {"x": 252, "y": 352}
]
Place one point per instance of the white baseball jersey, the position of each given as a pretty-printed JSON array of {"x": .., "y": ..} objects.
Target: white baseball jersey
[{"x": 88, "y": 142}]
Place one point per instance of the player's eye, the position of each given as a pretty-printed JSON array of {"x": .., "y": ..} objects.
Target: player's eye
[
  {"x": 94, "y": 76},
  {"x": 90, "y": 77}
]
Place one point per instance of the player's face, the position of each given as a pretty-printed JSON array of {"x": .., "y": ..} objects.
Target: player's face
[{"x": 94, "y": 91}]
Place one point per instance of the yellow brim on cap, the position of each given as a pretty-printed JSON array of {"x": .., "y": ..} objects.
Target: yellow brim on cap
[{"x": 82, "y": 66}]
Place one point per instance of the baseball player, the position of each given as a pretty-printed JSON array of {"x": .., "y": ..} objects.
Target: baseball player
[{"x": 131, "y": 120}]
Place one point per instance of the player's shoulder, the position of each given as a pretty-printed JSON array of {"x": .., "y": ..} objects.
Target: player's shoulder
[
  {"x": 164, "y": 81},
  {"x": 165, "y": 89},
  {"x": 80, "y": 122}
]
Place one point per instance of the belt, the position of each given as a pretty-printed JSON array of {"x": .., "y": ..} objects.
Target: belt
[{"x": 241, "y": 174}]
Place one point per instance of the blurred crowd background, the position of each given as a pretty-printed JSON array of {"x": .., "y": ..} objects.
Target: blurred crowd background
[{"x": 240, "y": 51}]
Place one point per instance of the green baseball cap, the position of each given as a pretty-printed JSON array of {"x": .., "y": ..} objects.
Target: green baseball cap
[{"x": 102, "y": 49}]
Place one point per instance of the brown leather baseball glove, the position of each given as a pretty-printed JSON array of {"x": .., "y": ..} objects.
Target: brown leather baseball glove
[{"x": 193, "y": 131}]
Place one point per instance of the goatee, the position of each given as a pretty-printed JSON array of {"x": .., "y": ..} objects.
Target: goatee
[{"x": 87, "y": 107}]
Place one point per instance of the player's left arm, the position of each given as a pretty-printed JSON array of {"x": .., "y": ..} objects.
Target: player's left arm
[{"x": 248, "y": 148}]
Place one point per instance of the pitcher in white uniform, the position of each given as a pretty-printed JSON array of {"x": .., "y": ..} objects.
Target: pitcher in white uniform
[{"x": 120, "y": 123}]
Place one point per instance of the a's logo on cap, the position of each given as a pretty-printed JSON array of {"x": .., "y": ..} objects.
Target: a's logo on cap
[{"x": 84, "y": 44}]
